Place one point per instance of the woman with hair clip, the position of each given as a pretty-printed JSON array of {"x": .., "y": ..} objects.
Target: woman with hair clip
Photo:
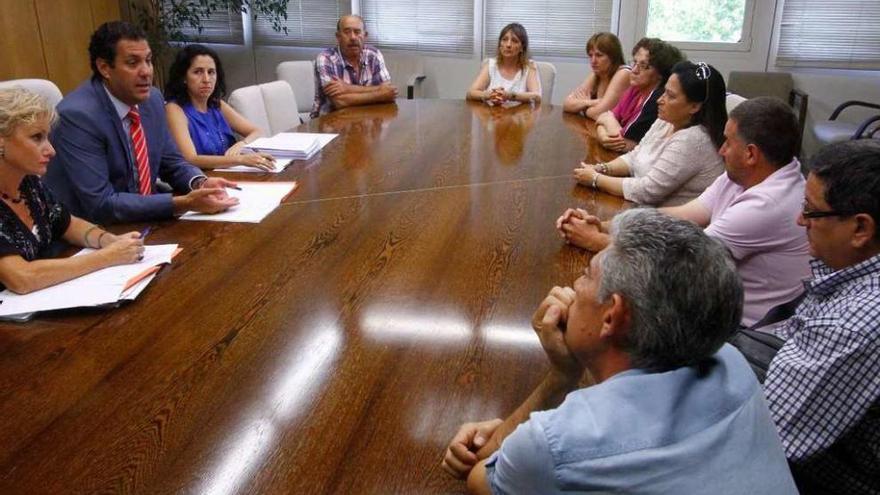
[
  {"x": 601, "y": 90},
  {"x": 622, "y": 127},
  {"x": 31, "y": 220},
  {"x": 511, "y": 76},
  {"x": 678, "y": 157},
  {"x": 201, "y": 123}
]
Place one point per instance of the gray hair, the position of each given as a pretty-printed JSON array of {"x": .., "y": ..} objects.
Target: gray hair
[
  {"x": 19, "y": 106},
  {"x": 681, "y": 287}
]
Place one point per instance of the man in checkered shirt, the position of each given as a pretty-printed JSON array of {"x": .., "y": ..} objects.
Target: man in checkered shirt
[
  {"x": 823, "y": 386},
  {"x": 351, "y": 73}
]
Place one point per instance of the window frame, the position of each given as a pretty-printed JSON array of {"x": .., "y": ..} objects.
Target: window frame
[{"x": 744, "y": 45}]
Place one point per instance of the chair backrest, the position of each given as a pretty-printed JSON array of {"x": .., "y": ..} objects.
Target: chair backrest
[
  {"x": 47, "y": 89},
  {"x": 280, "y": 106},
  {"x": 270, "y": 106},
  {"x": 547, "y": 76},
  {"x": 300, "y": 75},
  {"x": 752, "y": 84},
  {"x": 779, "y": 84},
  {"x": 406, "y": 71},
  {"x": 733, "y": 100}
]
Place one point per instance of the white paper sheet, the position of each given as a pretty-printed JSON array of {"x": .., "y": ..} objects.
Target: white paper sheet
[
  {"x": 323, "y": 138},
  {"x": 280, "y": 165},
  {"x": 93, "y": 289},
  {"x": 256, "y": 201},
  {"x": 296, "y": 145}
]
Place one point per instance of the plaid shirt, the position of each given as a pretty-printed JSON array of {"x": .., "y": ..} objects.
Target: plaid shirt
[
  {"x": 823, "y": 387},
  {"x": 331, "y": 65}
]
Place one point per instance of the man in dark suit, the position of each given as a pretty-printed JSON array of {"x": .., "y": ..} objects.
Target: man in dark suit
[{"x": 113, "y": 142}]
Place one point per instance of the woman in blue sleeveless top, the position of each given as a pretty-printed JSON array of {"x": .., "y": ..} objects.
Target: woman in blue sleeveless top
[{"x": 201, "y": 123}]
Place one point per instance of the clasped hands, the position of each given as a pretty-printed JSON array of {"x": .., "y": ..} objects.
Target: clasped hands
[
  {"x": 497, "y": 96},
  {"x": 581, "y": 229},
  {"x": 477, "y": 440}
]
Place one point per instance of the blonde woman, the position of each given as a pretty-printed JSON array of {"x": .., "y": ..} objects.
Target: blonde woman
[{"x": 30, "y": 217}]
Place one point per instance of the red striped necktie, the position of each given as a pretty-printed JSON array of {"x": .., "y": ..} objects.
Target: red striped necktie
[{"x": 140, "y": 152}]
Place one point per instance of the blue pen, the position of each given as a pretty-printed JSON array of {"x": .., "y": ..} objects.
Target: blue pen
[{"x": 146, "y": 232}]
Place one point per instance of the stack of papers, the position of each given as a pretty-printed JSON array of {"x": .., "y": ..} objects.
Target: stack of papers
[
  {"x": 107, "y": 286},
  {"x": 255, "y": 201},
  {"x": 294, "y": 145},
  {"x": 280, "y": 165}
]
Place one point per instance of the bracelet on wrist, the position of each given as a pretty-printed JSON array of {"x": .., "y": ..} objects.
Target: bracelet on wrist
[
  {"x": 595, "y": 183},
  {"x": 86, "y": 236},
  {"x": 101, "y": 237}
]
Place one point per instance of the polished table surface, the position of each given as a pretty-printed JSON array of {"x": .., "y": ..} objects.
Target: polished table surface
[{"x": 333, "y": 348}]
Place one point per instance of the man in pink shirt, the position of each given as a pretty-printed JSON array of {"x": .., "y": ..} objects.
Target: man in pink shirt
[{"x": 751, "y": 209}]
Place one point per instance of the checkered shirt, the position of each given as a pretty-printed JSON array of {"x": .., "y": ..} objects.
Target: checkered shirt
[
  {"x": 823, "y": 387},
  {"x": 331, "y": 65}
]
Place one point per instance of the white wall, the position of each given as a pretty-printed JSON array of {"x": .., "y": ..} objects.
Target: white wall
[{"x": 449, "y": 77}]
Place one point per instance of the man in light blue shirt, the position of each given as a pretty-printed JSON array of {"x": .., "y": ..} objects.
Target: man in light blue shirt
[{"x": 673, "y": 409}]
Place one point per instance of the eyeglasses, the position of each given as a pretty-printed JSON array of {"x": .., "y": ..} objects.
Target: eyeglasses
[
  {"x": 806, "y": 212},
  {"x": 639, "y": 65},
  {"x": 704, "y": 73}
]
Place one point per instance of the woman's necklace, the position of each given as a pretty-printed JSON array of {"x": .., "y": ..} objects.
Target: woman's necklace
[{"x": 10, "y": 198}]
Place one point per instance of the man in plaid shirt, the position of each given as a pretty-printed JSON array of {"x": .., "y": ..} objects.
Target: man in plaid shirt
[
  {"x": 823, "y": 386},
  {"x": 351, "y": 73}
]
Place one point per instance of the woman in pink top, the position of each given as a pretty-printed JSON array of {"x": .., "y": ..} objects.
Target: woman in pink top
[
  {"x": 601, "y": 90},
  {"x": 623, "y": 127}
]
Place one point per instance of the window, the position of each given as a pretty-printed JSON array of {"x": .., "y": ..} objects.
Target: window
[
  {"x": 556, "y": 28},
  {"x": 221, "y": 26},
  {"x": 424, "y": 25},
  {"x": 309, "y": 23},
  {"x": 843, "y": 34},
  {"x": 701, "y": 24}
]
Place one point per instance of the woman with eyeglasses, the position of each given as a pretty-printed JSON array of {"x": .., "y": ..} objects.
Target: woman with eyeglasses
[
  {"x": 621, "y": 128},
  {"x": 609, "y": 78},
  {"x": 678, "y": 157},
  {"x": 31, "y": 219},
  {"x": 511, "y": 77}
]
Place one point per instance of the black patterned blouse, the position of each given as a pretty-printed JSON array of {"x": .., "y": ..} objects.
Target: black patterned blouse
[{"x": 51, "y": 220}]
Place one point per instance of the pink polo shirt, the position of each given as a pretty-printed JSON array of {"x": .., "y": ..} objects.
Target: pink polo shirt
[{"x": 759, "y": 227}]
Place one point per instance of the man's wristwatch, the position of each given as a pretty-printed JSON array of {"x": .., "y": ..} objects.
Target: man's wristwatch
[
  {"x": 197, "y": 182},
  {"x": 513, "y": 95}
]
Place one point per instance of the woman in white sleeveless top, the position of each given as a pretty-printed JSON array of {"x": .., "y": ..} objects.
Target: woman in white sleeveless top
[{"x": 511, "y": 76}]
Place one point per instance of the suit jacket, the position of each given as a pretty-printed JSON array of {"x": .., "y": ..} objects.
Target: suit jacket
[{"x": 94, "y": 173}]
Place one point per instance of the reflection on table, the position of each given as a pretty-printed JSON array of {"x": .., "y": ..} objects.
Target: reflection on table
[{"x": 333, "y": 348}]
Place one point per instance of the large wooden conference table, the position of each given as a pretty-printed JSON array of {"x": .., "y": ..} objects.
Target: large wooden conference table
[{"x": 333, "y": 348}]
